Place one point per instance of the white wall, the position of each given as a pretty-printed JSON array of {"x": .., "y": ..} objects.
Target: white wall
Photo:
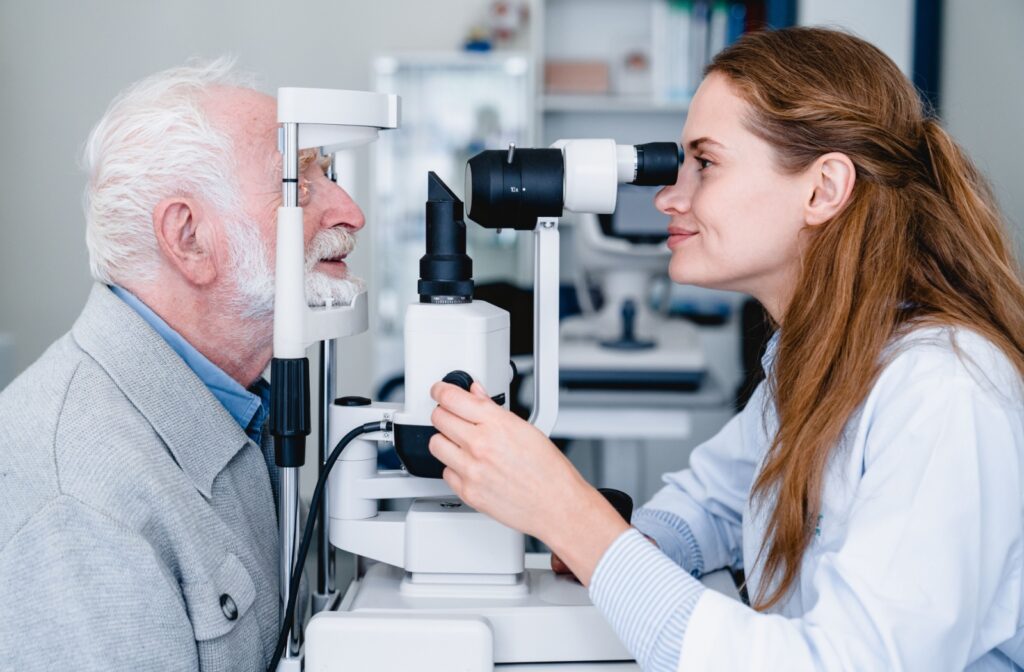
[
  {"x": 983, "y": 94},
  {"x": 982, "y": 78},
  {"x": 888, "y": 24},
  {"x": 61, "y": 62}
]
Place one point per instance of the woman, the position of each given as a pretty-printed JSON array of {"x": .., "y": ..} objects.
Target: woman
[{"x": 872, "y": 487}]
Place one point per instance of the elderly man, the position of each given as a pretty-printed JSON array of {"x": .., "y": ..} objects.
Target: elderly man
[{"x": 139, "y": 526}]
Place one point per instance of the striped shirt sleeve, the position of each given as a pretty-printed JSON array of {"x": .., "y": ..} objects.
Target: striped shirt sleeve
[
  {"x": 647, "y": 598},
  {"x": 673, "y": 536}
]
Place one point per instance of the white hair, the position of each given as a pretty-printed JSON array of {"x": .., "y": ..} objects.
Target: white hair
[{"x": 154, "y": 141}]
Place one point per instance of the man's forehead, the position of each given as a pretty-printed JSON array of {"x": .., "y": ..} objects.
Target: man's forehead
[{"x": 250, "y": 117}]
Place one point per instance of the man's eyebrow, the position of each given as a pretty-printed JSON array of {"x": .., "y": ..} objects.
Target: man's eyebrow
[{"x": 695, "y": 144}]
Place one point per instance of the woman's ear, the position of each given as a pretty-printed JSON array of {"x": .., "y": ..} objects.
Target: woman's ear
[
  {"x": 185, "y": 239},
  {"x": 832, "y": 178}
]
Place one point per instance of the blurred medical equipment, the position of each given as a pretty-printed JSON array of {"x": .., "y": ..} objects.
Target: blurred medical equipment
[
  {"x": 496, "y": 107},
  {"x": 452, "y": 584},
  {"x": 626, "y": 344}
]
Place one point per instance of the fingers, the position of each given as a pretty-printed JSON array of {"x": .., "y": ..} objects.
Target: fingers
[
  {"x": 452, "y": 426},
  {"x": 468, "y": 406},
  {"x": 449, "y": 453},
  {"x": 453, "y": 480},
  {"x": 559, "y": 567},
  {"x": 479, "y": 390}
]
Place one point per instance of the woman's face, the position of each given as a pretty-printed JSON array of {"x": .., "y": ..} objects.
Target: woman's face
[{"x": 735, "y": 217}]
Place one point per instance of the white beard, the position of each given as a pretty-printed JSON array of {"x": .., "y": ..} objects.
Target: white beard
[{"x": 253, "y": 297}]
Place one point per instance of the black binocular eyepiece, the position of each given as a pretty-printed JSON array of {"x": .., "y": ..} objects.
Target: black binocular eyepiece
[
  {"x": 657, "y": 164},
  {"x": 510, "y": 189}
]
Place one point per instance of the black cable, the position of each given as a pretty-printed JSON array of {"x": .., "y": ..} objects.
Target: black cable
[{"x": 307, "y": 537}]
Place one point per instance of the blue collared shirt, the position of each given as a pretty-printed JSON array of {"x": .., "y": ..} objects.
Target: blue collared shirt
[{"x": 249, "y": 407}]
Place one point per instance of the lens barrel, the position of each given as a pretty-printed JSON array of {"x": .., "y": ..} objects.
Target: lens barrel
[
  {"x": 510, "y": 189},
  {"x": 446, "y": 271}
]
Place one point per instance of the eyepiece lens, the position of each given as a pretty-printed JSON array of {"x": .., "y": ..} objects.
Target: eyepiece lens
[{"x": 657, "y": 163}]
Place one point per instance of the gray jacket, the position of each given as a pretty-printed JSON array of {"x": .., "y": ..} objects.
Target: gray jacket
[{"x": 138, "y": 529}]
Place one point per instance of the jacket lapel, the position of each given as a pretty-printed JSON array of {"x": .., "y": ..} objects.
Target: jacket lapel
[{"x": 200, "y": 434}]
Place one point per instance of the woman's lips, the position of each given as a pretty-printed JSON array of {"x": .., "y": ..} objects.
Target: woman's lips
[{"x": 677, "y": 238}]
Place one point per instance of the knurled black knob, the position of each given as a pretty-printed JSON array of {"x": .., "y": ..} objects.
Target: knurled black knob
[
  {"x": 352, "y": 401},
  {"x": 459, "y": 379}
]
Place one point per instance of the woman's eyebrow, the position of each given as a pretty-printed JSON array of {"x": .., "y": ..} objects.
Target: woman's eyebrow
[{"x": 694, "y": 145}]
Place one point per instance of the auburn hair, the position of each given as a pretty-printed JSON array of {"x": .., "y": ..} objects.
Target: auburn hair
[{"x": 920, "y": 241}]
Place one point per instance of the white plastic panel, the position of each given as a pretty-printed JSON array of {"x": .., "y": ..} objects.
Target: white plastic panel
[
  {"x": 289, "y": 286},
  {"x": 337, "y": 107},
  {"x": 591, "y": 175},
  {"x": 388, "y": 643},
  {"x": 471, "y": 337},
  {"x": 446, "y": 536}
]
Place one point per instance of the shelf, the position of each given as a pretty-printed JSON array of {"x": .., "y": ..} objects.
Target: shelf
[{"x": 600, "y": 104}]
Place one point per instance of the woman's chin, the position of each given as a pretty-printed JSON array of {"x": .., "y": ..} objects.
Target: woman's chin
[
  {"x": 690, "y": 276},
  {"x": 684, "y": 276}
]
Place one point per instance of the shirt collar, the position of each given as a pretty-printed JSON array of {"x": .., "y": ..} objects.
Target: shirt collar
[
  {"x": 247, "y": 407},
  {"x": 770, "y": 350}
]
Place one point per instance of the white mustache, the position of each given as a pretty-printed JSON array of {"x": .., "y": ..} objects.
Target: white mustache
[{"x": 329, "y": 244}]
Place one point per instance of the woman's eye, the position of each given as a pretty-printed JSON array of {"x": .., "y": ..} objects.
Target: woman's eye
[{"x": 702, "y": 162}]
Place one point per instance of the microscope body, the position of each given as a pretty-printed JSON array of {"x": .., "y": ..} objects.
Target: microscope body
[
  {"x": 448, "y": 336},
  {"x": 440, "y": 339},
  {"x": 439, "y": 539},
  {"x": 453, "y": 588}
]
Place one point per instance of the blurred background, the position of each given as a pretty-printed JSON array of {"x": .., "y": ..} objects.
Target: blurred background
[{"x": 473, "y": 74}]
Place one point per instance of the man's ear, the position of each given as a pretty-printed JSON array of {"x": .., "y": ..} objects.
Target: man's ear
[
  {"x": 832, "y": 178},
  {"x": 186, "y": 239}
]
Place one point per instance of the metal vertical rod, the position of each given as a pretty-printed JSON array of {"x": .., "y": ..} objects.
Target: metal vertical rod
[
  {"x": 290, "y": 167},
  {"x": 545, "y": 324},
  {"x": 325, "y": 568},
  {"x": 288, "y": 501},
  {"x": 288, "y": 511},
  {"x": 325, "y": 554}
]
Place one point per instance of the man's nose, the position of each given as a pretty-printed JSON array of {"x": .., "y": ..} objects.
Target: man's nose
[
  {"x": 340, "y": 210},
  {"x": 675, "y": 198}
]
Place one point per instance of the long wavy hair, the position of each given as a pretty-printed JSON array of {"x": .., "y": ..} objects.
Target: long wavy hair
[{"x": 920, "y": 241}]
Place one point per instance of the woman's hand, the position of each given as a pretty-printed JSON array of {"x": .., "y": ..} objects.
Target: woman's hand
[
  {"x": 559, "y": 567},
  {"x": 505, "y": 467}
]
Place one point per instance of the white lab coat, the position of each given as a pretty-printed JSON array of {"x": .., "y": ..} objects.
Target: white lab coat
[{"x": 917, "y": 559}]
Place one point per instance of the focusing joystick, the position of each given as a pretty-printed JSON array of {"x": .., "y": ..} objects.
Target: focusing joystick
[
  {"x": 463, "y": 380},
  {"x": 459, "y": 379}
]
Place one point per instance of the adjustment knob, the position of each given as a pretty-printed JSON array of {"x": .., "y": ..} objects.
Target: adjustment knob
[
  {"x": 459, "y": 379},
  {"x": 352, "y": 401}
]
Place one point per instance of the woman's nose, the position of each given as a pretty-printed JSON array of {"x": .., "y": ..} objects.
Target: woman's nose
[{"x": 675, "y": 198}]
